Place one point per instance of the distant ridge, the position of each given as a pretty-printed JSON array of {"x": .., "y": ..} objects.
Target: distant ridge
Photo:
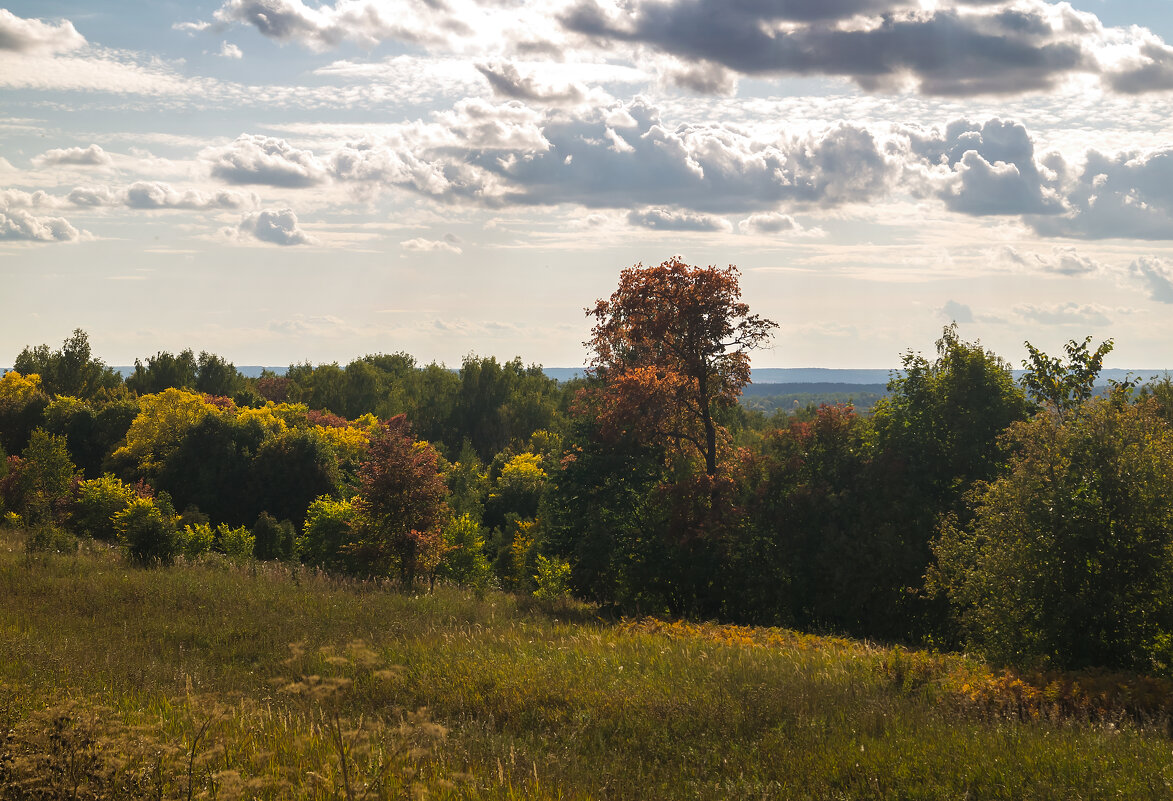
[{"x": 761, "y": 375}]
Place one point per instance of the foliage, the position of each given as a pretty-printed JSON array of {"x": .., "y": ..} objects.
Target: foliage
[
  {"x": 273, "y": 540},
  {"x": 328, "y": 534},
  {"x": 22, "y": 404},
  {"x": 71, "y": 370},
  {"x": 1060, "y": 387},
  {"x": 464, "y": 555},
  {"x": 1068, "y": 560},
  {"x": 670, "y": 345},
  {"x": 147, "y": 532},
  {"x": 97, "y": 503},
  {"x": 552, "y": 581},
  {"x": 289, "y": 471},
  {"x": 197, "y": 539},
  {"x": 234, "y": 542},
  {"x": 39, "y": 485},
  {"x": 160, "y": 425},
  {"x": 517, "y": 490},
  {"x": 400, "y": 504}
]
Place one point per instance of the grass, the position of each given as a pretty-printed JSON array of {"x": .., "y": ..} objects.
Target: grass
[{"x": 259, "y": 681}]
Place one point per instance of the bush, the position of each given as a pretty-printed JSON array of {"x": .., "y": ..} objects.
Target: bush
[
  {"x": 148, "y": 534},
  {"x": 98, "y": 501},
  {"x": 327, "y": 531},
  {"x": 196, "y": 539},
  {"x": 273, "y": 540},
  {"x": 553, "y": 579},
  {"x": 50, "y": 539},
  {"x": 235, "y": 543},
  {"x": 464, "y": 559}
]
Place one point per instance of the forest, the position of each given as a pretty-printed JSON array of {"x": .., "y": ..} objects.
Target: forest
[{"x": 1028, "y": 522}]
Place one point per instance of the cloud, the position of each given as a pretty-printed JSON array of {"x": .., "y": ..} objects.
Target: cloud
[
  {"x": 92, "y": 156},
  {"x": 671, "y": 220},
  {"x": 1126, "y": 195},
  {"x": 708, "y": 168},
  {"x": 364, "y": 22},
  {"x": 158, "y": 195},
  {"x": 431, "y": 245},
  {"x": 32, "y": 36},
  {"x": 276, "y": 226},
  {"x": 229, "y": 50},
  {"x": 1157, "y": 277},
  {"x": 264, "y": 160},
  {"x": 506, "y": 81},
  {"x": 957, "y": 312},
  {"x": 775, "y": 223},
  {"x": 19, "y": 225},
  {"x": 1061, "y": 261},
  {"x": 958, "y": 49},
  {"x": 1069, "y": 313}
]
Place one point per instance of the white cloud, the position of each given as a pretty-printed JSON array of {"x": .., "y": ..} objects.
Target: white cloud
[
  {"x": 420, "y": 245},
  {"x": 265, "y": 160},
  {"x": 229, "y": 50},
  {"x": 660, "y": 219},
  {"x": 32, "y": 36},
  {"x": 19, "y": 225},
  {"x": 1061, "y": 261},
  {"x": 275, "y": 226},
  {"x": 92, "y": 156},
  {"x": 1070, "y": 313},
  {"x": 775, "y": 223}
]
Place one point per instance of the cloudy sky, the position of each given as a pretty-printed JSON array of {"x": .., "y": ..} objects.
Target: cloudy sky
[{"x": 280, "y": 180}]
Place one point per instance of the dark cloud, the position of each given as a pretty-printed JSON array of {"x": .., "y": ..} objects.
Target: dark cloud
[
  {"x": 1128, "y": 195},
  {"x": 1151, "y": 71},
  {"x": 945, "y": 52},
  {"x": 1157, "y": 277},
  {"x": 506, "y": 81}
]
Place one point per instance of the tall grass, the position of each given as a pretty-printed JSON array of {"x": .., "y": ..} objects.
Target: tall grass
[{"x": 220, "y": 680}]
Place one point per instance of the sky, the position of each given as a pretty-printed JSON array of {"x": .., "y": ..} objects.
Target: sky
[{"x": 279, "y": 181}]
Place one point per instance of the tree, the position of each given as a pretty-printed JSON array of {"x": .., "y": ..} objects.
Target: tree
[
  {"x": 164, "y": 371},
  {"x": 70, "y": 370},
  {"x": 1068, "y": 559},
  {"x": 670, "y": 346},
  {"x": 1060, "y": 387},
  {"x": 401, "y": 504}
]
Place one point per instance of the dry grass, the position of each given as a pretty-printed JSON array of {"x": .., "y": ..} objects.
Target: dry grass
[{"x": 257, "y": 681}]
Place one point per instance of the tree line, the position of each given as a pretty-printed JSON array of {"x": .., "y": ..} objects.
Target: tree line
[{"x": 1030, "y": 521}]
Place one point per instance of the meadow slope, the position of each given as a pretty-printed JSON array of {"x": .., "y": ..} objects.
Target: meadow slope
[{"x": 221, "y": 680}]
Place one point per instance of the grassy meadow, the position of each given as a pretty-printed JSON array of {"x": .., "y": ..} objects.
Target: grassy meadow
[{"x": 220, "y": 680}]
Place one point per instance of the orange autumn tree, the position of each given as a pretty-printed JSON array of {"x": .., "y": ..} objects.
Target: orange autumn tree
[{"x": 669, "y": 347}]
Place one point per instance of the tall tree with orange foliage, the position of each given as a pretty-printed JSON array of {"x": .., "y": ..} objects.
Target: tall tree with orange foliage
[{"x": 669, "y": 347}]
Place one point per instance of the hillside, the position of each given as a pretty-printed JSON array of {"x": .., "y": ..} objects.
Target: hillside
[{"x": 224, "y": 680}]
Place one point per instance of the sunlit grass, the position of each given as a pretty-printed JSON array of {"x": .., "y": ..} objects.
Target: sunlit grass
[{"x": 269, "y": 682}]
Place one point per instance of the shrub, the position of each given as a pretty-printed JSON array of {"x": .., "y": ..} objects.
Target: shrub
[
  {"x": 464, "y": 560},
  {"x": 98, "y": 501},
  {"x": 552, "y": 578},
  {"x": 148, "y": 534},
  {"x": 327, "y": 531},
  {"x": 196, "y": 538},
  {"x": 235, "y": 543},
  {"x": 273, "y": 540}
]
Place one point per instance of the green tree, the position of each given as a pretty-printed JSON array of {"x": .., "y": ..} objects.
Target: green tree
[
  {"x": 1063, "y": 388},
  {"x": 328, "y": 533},
  {"x": 164, "y": 371},
  {"x": 71, "y": 370},
  {"x": 97, "y": 503},
  {"x": 273, "y": 540},
  {"x": 1068, "y": 557}
]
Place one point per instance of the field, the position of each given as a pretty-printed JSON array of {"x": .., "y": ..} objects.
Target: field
[{"x": 222, "y": 680}]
